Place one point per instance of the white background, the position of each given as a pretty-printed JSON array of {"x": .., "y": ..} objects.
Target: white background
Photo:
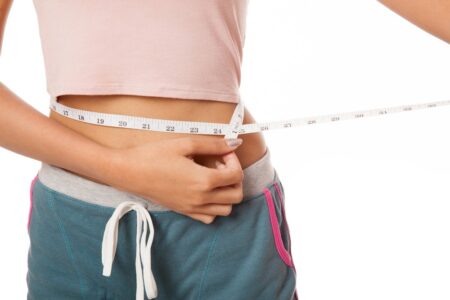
[{"x": 368, "y": 200}]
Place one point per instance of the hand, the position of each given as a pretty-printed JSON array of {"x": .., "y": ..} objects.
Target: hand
[{"x": 166, "y": 172}]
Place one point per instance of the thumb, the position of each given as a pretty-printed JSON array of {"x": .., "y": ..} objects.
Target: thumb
[{"x": 209, "y": 145}]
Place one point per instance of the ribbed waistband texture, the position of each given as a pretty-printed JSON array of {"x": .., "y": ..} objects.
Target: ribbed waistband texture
[{"x": 256, "y": 176}]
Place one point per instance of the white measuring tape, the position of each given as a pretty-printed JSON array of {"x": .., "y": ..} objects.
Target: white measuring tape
[{"x": 231, "y": 130}]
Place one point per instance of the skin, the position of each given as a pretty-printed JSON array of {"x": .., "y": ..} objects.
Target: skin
[
  {"x": 147, "y": 163},
  {"x": 433, "y": 16}
]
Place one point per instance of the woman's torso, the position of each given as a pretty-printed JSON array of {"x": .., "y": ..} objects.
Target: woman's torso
[
  {"x": 100, "y": 54},
  {"x": 251, "y": 150}
]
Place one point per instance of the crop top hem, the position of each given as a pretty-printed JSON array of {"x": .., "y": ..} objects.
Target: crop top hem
[{"x": 139, "y": 90}]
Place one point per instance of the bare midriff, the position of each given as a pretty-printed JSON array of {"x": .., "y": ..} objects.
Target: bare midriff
[{"x": 251, "y": 150}]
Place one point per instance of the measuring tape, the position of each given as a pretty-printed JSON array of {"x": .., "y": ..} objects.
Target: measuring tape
[{"x": 230, "y": 130}]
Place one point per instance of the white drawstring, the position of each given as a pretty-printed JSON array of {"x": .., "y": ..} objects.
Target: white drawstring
[{"x": 143, "y": 248}]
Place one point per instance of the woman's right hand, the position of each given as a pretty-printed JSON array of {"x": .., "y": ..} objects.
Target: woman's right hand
[{"x": 165, "y": 172}]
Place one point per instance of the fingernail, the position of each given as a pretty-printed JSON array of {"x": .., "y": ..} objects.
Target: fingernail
[{"x": 233, "y": 142}]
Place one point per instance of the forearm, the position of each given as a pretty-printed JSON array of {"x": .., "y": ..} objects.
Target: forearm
[
  {"x": 432, "y": 16},
  {"x": 5, "y": 6},
  {"x": 26, "y": 131}
]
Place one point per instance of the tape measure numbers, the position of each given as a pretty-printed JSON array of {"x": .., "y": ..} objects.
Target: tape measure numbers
[{"x": 230, "y": 130}]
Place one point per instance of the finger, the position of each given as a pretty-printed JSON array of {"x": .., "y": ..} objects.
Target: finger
[
  {"x": 226, "y": 174},
  {"x": 220, "y": 165},
  {"x": 213, "y": 209},
  {"x": 232, "y": 194},
  {"x": 221, "y": 178},
  {"x": 205, "y": 145},
  {"x": 214, "y": 177},
  {"x": 231, "y": 160},
  {"x": 207, "y": 219}
]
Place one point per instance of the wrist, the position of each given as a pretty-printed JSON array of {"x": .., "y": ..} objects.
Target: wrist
[{"x": 110, "y": 166}]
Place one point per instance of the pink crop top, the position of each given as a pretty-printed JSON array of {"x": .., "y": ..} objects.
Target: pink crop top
[{"x": 169, "y": 48}]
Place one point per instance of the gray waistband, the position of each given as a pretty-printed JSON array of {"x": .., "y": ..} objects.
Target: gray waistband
[{"x": 256, "y": 176}]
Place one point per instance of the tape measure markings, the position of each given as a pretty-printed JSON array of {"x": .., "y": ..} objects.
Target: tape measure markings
[{"x": 230, "y": 130}]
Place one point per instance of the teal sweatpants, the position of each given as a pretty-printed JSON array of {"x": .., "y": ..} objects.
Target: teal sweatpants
[{"x": 243, "y": 256}]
